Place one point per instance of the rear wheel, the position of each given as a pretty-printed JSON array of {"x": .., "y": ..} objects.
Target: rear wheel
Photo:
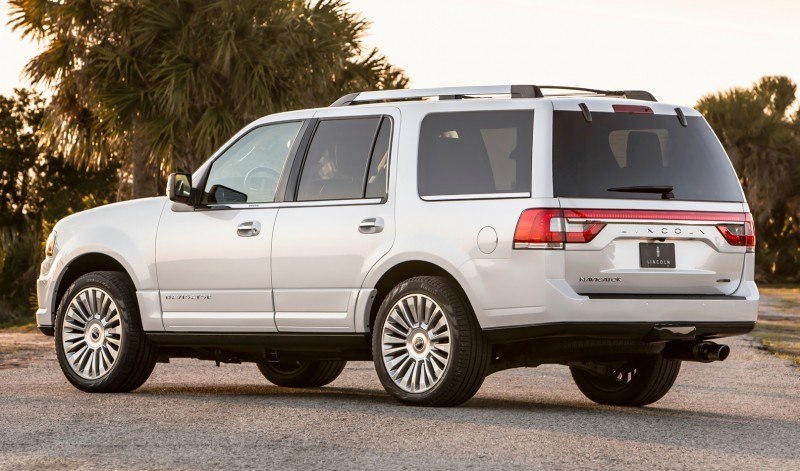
[
  {"x": 301, "y": 373},
  {"x": 100, "y": 344},
  {"x": 427, "y": 346},
  {"x": 636, "y": 382}
]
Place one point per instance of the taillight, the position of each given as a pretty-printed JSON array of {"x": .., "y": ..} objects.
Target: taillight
[
  {"x": 740, "y": 235},
  {"x": 549, "y": 229}
]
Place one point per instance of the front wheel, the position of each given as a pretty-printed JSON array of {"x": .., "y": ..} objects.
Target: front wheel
[
  {"x": 100, "y": 344},
  {"x": 636, "y": 382},
  {"x": 427, "y": 346},
  {"x": 301, "y": 373}
]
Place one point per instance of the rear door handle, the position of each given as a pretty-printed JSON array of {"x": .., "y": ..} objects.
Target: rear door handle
[
  {"x": 248, "y": 229},
  {"x": 371, "y": 226}
]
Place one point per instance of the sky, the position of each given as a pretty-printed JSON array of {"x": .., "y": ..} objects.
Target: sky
[{"x": 679, "y": 50}]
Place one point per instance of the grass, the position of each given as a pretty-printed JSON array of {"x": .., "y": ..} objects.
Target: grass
[
  {"x": 21, "y": 324},
  {"x": 778, "y": 327}
]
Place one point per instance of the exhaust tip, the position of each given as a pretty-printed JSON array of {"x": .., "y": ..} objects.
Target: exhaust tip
[
  {"x": 710, "y": 351},
  {"x": 723, "y": 352}
]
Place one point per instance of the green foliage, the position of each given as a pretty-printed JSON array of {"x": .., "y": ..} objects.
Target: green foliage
[
  {"x": 38, "y": 188},
  {"x": 761, "y": 133},
  {"x": 184, "y": 75}
]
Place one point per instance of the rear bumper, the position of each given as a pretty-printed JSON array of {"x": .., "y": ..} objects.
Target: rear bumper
[
  {"x": 567, "y": 313},
  {"x": 612, "y": 330}
]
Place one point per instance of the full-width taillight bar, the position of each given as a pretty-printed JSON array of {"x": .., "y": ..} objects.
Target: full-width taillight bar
[{"x": 551, "y": 228}]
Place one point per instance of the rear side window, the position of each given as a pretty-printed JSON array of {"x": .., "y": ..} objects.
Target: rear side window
[
  {"x": 377, "y": 177},
  {"x": 475, "y": 153},
  {"x": 338, "y": 159},
  {"x": 634, "y": 156}
]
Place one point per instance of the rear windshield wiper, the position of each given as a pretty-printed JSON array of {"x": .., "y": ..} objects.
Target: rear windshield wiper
[{"x": 664, "y": 190}]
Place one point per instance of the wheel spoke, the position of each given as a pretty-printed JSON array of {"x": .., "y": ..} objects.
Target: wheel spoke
[
  {"x": 415, "y": 343},
  {"x": 403, "y": 309}
]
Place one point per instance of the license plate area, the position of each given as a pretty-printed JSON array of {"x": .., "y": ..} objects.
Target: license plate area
[{"x": 656, "y": 255}]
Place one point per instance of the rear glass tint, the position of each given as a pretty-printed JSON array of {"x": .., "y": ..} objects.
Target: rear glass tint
[
  {"x": 617, "y": 150},
  {"x": 475, "y": 153}
]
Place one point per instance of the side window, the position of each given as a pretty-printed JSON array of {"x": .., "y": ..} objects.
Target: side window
[
  {"x": 377, "y": 177},
  {"x": 250, "y": 169},
  {"x": 475, "y": 152},
  {"x": 338, "y": 159}
]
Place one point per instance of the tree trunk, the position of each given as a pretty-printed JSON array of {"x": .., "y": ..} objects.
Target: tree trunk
[{"x": 144, "y": 171}]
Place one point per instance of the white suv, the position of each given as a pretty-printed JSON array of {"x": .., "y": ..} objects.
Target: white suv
[{"x": 445, "y": 234}]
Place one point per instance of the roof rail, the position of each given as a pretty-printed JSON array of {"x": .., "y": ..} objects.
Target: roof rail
[
  {"x": 454, "y": 93},
  {"x": 446, "y": 93},
  {"x": 630, "y": 94}
]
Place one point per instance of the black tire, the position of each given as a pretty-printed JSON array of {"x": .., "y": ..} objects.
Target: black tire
[
  {"x": 136, "y": 356},
  {"x": 652, "y": 377},
  {"x": 301, "y": 374},
  {"x": 469, "y": 356}
]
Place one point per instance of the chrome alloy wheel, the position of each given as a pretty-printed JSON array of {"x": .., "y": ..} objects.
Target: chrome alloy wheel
[
  {"x": 416, "y": 343},
  {"x": 91, "y": 333}
]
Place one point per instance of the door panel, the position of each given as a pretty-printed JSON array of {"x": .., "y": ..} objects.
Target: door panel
[
  {"x": 212, "y": 278},
  {"x": 324, "y": 246},
  {"x": 320, "y": 259},
  {"x": 213, "y": 263}
]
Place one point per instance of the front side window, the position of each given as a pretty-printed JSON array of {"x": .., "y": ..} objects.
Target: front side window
[
  {"x": 475, "y": 153},
  {"x": 338, "y": 159},
  {"x": 250, "y": 169}
]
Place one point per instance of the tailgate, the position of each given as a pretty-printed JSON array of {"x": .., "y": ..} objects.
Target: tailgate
[{"x": 662, "y": 251}]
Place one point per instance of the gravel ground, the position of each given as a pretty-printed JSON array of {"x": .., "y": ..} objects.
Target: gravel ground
[{"x": 743, "y": 413}]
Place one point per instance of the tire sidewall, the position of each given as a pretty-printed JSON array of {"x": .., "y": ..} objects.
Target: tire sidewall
[{"x": 128, "y": 312}]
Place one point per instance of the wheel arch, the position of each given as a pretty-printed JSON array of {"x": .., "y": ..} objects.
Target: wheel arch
[
  {"x": 79, "y": 266},
  {"x": 404, "y": 270}
]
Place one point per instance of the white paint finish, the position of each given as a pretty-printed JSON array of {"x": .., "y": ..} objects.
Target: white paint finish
[
  {"x": 565, "y": 305},
  {"x": 320, "y": 258},
  {"x": 331, "y": 316},
  {"x": 150, "y": 310},
  {"x": 228, "y": 321},
  {"x": 202, "y": 258},
  {"x": 333, "y": 300}
]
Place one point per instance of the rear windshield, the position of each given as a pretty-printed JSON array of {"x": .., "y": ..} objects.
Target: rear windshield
[{"x": 620, "y": 152}]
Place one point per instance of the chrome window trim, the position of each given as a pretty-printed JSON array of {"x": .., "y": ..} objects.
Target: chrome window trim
[
  {"x": 482, "y": 196},
  {"x": 347, "y": 202}
]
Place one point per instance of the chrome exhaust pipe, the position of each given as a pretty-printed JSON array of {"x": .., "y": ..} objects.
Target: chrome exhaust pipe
[{"x": 703, "y": 351}]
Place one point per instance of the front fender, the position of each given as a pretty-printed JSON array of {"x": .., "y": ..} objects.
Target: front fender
[{"x": 125, "y": 232}]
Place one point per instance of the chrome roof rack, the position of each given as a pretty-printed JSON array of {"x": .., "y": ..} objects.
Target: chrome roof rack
[{"x": 456, "y": 93}]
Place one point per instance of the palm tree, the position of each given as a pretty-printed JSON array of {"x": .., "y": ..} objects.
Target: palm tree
[
  {"x": 762, "y": 138},
  {"x": 160, "y": 84}
]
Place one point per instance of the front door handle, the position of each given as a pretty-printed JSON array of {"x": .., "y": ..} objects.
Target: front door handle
[
  {"x": 371, "y": 226},
  {"x": 248, "y": 229}
]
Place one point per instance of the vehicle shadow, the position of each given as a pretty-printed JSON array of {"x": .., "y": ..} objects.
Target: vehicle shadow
[{"x": 654, "y": 425}]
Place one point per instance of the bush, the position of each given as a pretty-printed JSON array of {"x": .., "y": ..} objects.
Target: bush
[{"x": 20, "y": 256}]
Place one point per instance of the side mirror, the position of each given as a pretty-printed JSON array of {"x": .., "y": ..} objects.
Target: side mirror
[{"x": 179, "y": 187}]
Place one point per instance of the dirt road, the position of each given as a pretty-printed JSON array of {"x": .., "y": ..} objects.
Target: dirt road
[{"x": 743, "y": 413}]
